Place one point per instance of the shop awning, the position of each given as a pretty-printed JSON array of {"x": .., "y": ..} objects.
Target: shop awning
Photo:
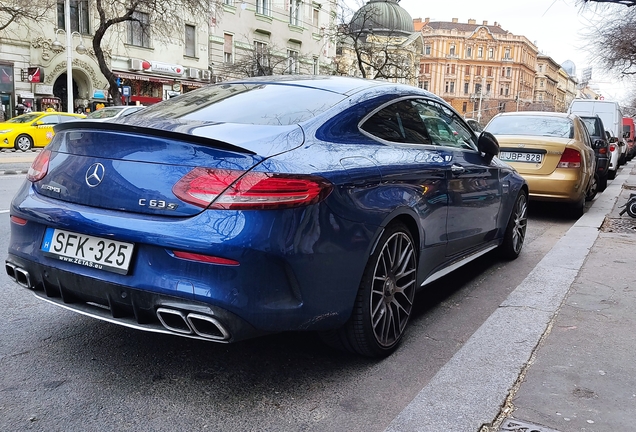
[{"x": 144, "y": 77}]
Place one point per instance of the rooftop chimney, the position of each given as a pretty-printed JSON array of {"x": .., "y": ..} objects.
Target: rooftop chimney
[
  {"x": 495, "y": 24},
  {"x": 472, "y": 21},
  {"x": 485, "y": 22},
  {"x": 455, "y": 20}
]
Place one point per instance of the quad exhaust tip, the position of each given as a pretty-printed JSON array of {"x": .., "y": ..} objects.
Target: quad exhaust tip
[
  {"x": 192, "y": 323},
  {"x": 18, "y": 274}
]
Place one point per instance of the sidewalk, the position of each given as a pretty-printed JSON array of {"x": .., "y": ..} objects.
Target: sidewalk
[
  {"x": 558, "y": 353},
  {"x": 583, "y": 375}
]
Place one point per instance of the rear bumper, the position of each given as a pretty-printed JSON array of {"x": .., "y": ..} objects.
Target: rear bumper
[
  {"x": 562, "y": 185},
  {"x": 127, "y": 306}
]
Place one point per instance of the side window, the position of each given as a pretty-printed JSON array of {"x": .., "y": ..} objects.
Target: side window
[
  {"x": 444, "y": 126},
  {"x": 50, "y": 119},
  {"x": 399, "y": 122}
]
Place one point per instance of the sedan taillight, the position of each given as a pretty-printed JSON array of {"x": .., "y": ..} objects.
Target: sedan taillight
[
  {"x": 612, "y": 147},
  {"x": 238, "y": 190},
  {"x": 40, "y": 166},
  {"x": 570, "y": 159}
]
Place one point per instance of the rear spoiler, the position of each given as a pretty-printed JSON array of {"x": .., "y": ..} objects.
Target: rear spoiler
[{"x": 151, "y": 131}]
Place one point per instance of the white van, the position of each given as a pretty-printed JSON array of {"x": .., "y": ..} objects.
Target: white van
[{"x": 612, "y": 117}]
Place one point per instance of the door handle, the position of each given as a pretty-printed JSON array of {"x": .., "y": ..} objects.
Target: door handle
[{"x": 457, "y": 169}]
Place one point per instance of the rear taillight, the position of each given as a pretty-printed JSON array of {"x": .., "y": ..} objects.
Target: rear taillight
[
  {"x": 40, "y": 166},
  {"x": 238, "y": 190},
  {"x": 570, "y": 159},
  {"x": 612, "y": 147},
  {"x": 602, "y": 150}
]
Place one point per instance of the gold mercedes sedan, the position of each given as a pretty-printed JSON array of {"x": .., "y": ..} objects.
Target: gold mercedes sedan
[{"x": 552, "y": 151}]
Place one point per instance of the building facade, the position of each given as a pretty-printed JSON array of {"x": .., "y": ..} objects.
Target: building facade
[
  {"x": 480, "y": 69},
  {"x": 149, "y": 68},
  {"x": 554, "y": 87},
  {"x": 265, "y": 37},
  {"x": 380, "y": 42}
]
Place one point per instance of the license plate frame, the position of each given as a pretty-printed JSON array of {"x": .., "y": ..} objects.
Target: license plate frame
[
  {"x": 521, "y": 156},
  {"x": 87, "y": 250}
]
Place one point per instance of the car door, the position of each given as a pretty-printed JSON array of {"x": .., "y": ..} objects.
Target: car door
[
  {"x": 414, "y": 175},
  {"x": 43, "y": 130},
  {"x": 474, "y": 188}
]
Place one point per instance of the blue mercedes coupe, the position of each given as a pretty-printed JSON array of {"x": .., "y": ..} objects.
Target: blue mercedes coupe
[{"x": 265, "y": 205}]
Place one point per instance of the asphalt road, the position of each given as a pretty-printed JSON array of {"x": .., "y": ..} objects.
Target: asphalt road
[{"x": 62, "y": 371}]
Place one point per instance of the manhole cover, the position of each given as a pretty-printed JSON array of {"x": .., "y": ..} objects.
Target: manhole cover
[
  {"x": 511, "y": 425},
  {"x": 624, "y": 225}
]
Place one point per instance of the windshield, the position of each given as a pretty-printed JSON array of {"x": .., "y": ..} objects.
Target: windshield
[
  {"x": 261, "y": 104},
  {"x": 104, "y": 113},
  {"x": 24, "y": 118},
  {"x": 559, "y": 127}
]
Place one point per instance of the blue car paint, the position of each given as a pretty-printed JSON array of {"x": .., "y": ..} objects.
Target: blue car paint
[{"x": 282, "y": 282}]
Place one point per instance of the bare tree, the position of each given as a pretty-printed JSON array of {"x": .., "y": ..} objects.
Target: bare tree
[
  {"x": 265, "y": 59},
  {"x": 21, "y": 12},
  {"x": 371, "y": 49},
  {"x": 614, "y": 39},
  {"x": 164, "y": 19}
]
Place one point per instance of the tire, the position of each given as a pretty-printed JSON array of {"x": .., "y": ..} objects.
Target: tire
[
  {"x": 602, "y": 183},
  {"x": 23, "y": 142},
  {"x": 516, "y": 229},
  {"x": 592, "y": 189},
  {"x": 576, "y": 209},
  {"x": 611, "y": 174},
  {"x": 385, "y": 298}
]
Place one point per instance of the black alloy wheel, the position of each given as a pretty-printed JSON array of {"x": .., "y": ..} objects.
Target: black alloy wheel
[
  {"x": 516, "y": 230},
  {"x": 385, "y": 298}
]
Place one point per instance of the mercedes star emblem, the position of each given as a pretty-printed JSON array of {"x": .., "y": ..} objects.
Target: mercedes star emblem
[{"x": 95, "y": 174}]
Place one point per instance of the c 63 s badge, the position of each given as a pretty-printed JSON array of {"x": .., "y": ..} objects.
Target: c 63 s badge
[{"x": 157, "y": 204}]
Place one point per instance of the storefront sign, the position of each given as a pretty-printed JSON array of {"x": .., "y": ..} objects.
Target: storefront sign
[
  {"x": 36, "y": 75},
  {"x": 163, "y": 68},
  {"x": 6, "y": 78},
  {"x": 43, "y": 89}
]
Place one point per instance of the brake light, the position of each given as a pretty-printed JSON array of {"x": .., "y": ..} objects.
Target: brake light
[
  {"x": 205, "y": 258},
  {"x": 570, "y": 159},
  {"x": 602, "y": 150},
  {"x": 240, "y": 190},
  {"x": 40, "y": 166},
  {"x": 612, "y": 147}
]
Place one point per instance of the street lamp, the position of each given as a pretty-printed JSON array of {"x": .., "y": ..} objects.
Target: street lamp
[{"x": 81, "y": 49}]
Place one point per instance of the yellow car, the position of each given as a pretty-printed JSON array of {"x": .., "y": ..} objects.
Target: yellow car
[
  {"x": 34, "y": 129},
  {"x": 552, "y": 151}
]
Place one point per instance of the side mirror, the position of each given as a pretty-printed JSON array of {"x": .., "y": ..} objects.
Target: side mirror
[
  {"x": 613, "y": 140},
  {"x": 626, "y": 135},
  {"x": 39, "y": 123},
  {"x": 488, "y": 144}
]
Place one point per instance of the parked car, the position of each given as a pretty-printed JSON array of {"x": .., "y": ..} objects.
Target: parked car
[
  {"x": 601, "y": 147},
  {"x": 552, "y": 151},
  {"x": 628, "y": 136},
  {"x": 474, "y": 125},
  {"x": 610, "y": 113},
  {"x": 228, "y": 212},
  {"x": 34, "y": 129},
  {"x": 113, "y": 112}
]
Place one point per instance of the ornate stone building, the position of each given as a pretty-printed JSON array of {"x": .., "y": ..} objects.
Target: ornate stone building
[
  {"x": 480, "y": 69},
  {"x": 380, "y": 42},
  {"x": 554, "y": 87}
]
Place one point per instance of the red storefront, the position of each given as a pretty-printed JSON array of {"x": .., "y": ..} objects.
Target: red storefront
[{"x": 145, "y": 89}]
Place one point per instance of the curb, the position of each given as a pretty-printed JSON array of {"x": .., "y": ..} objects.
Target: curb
[
  {"x": 14, "y": 172},
  {"x": 470, "y": 391}
]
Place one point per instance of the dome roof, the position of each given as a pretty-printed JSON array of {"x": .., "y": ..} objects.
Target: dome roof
[{"x": 383, "y": 16}]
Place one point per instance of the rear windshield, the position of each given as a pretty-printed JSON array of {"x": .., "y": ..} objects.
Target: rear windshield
[
  {"x": 104, "y": 113},
  {"x": 559, "y": 127},
  {"x": 592, "y": 125},
  {"x": 262, "y": 104}
]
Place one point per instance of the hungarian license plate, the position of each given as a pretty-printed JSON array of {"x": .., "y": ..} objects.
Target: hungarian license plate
[
  {"x": 89, "y": 251},
  {"x": 521, "y": 157}
]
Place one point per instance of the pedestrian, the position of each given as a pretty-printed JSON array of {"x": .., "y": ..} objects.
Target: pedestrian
[
  {"x": 79, "y": 110},
  {"x": 27, "y": 108}
]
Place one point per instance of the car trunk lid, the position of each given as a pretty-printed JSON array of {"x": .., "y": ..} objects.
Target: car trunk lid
[
  {"x": 532, "y": 155},
  {"x": 135, "y": 169}
]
